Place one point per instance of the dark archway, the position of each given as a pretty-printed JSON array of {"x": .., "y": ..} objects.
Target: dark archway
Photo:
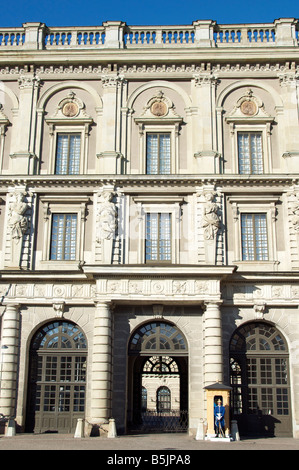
[
  {"x": 157, "y": 350},
  {"x": 259, "y": 371},
  {"x": 57, "y": 378}
]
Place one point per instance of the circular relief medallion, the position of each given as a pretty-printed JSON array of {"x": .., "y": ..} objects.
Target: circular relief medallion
[
  {"x": 159, "y": 108},
  {"x": 70, "y": 109},
  {"x": 248, "y": 108}
]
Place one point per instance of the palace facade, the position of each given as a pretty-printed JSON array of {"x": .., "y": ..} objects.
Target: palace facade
[{"x": 149, "y": 212}]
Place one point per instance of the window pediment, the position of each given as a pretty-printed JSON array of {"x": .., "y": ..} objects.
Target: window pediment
[
  {"x": 159, "y": 109},
  {"x": 70, "y": 110},
  {"x": 249, "y": 109}
]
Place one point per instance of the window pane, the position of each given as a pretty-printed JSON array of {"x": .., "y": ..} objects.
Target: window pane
[
  {"x": 261, "y": 237},
  {"x": 68, "y": 154},
  {"x": 244, "y": 153},
  {"x": 165, "y": 238},
  {"x": 256, "y": 154},
  {"x": 151, "y": 243},
  {"x": 74, "y": 154},
  {"x": 164, "y": 163},
  {"x": 152, "y": 154},
  {"x": 247, "y": 237}
]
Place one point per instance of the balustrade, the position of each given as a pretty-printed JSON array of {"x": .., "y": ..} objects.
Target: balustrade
[
  {"x": 244, "y": 35},
  {"x": 12, "y": 37},
  {"x": 283, "y": 32}
]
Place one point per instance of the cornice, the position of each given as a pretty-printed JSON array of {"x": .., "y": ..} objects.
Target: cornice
[
  {"x": 149, "y": 55},
  {"x": 197, "y": 69},
  {"x": 41, "y": 182}
]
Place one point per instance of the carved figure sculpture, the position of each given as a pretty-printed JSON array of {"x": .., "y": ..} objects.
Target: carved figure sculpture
[
  {"x": 211, "y": 222},
  {"x": 17, "y": 221},
  {"x": 106, "y": 217},
  {"x": 106, "y": 225}
]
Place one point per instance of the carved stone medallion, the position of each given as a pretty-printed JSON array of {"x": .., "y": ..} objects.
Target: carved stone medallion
[
  {"x": 70, "y": 109},
  {"x": 248, "y": 108},
  {"x": 159, "y": 108}
]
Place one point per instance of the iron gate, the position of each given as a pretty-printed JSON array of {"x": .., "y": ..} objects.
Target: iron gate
[{"x": 164, "y": 421}]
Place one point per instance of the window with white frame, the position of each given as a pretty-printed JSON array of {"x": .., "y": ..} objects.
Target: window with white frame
[
  {"x": 64, "y": 228},
  {"x": 158, "y": 237},
  {"x": 158, "y": 153},
  {"x": 63, "y": 237},
  {"x": 254, "y": 237},
  {"x": 253, "y": 232},
  {"x": 68, "y": 152},
  {"x": 158, "y": 228},
  {"x": 250, "y": 153}
]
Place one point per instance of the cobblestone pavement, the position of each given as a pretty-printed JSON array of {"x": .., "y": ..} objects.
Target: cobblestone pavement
[{"x": 134, "y": 443}]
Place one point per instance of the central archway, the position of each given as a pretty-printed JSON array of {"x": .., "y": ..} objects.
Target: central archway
[{"x": 158, "y": 379}]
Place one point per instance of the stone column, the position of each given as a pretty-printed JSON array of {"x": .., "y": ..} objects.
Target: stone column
[
  {"x": 9, "y": 359},
  {"x": 213, "y": 343},
  {"x": 101, "y": 380}
]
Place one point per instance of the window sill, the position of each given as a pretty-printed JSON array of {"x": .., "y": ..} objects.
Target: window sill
[
  {"x": 256, "y": 265},
  {"x": 62, "y": 265}
]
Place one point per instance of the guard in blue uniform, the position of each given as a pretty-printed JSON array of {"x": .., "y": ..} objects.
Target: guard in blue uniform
[{"x": 219, "y": 411}]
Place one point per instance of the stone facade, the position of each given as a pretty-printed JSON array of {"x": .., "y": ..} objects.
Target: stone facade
[{"x": 78, "y": 197}]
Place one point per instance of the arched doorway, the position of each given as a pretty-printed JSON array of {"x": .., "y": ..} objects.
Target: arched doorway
[
  {"x": 57, "y": 378},
  {"x": 158, "y": 369},
  {"x": 259, "y": 371}
]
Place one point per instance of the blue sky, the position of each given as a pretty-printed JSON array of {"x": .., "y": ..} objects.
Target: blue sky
[{"x": 151, "y": 12}]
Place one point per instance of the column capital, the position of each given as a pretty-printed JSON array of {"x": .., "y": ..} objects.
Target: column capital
[
  {"x": 12, "y": 305},
  {"x": 103, "y": 303},
  {"x": 213, "y": 302}
]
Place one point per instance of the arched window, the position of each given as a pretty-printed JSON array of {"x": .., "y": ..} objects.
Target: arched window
[
  {"x": 161, "y": 365},
  {"x": 158, "y": 337},
  {"x": 163, "y": 399}
]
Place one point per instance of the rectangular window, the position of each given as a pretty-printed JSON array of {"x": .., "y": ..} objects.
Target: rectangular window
[
  {"x": 254, "y": 237},
  {"x": 158, "y": 237},
  {"x": 158, "y": 154},
  {"x": 68, "y": 152},
  {"x": 250, "y": 153},
  {"x": 63, "y": 237}
]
